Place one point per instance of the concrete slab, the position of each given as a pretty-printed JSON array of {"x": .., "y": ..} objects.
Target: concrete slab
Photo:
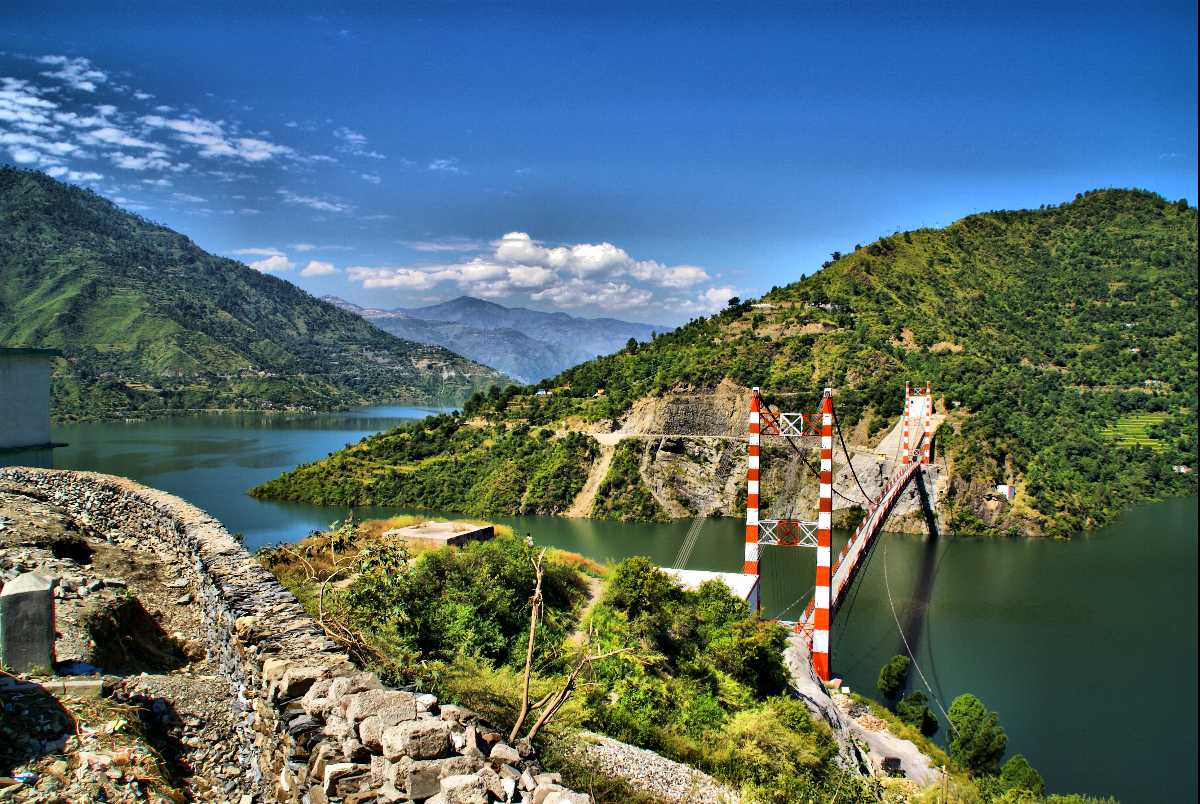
[
  {"x": 444, "y": 533},
  {"x": 742, "y": 585},
  {"x": 27, "y": 623}
]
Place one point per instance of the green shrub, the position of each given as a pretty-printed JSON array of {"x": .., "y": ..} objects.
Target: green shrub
[
  {"x": 892, "y": 677},
  {"x": 977, "y": 742},
  {"x": 914, "y": 710},
  {"x": 1018, "y": 774}
]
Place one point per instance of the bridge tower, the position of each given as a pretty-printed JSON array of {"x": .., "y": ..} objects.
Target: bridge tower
[
  {"x": 750, "y": 563},
  {"x": 832, "y": 579},
  {"x": 821, "y": 598}
]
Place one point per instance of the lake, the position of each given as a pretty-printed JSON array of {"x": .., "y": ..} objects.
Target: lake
[{"x": 1086, "y": 649}]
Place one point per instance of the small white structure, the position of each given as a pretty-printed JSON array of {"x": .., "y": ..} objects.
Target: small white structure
[
  {"x": 25, "y": 397},
  {"x": 1006, "y": 491},
  {"x": 1181, "y": 469},
  {"x": 741, "y": 584}
]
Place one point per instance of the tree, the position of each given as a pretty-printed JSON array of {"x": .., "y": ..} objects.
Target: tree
[
  {"x": 1018, "y": 774},
  {"x": 735, "y": 301},
  {"x": 914, "y": 710},
  {"x": 892, "y": 677},
  {"x": 977, "y": 741}
]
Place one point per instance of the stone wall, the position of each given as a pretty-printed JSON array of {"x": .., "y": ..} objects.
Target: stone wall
[{"x": 312, "y": 728}]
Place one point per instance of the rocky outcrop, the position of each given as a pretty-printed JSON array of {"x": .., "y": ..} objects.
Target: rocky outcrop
[{"x": 308, "y": 725}]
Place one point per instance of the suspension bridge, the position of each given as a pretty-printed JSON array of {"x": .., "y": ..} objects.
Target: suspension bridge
[{"x": 834, "y": 577}]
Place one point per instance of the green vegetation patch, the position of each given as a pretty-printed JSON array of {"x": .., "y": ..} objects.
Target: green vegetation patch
[
  {"x": 623, "y": 494},
  {"x": 443, "y": 462},
  {"x": 1135, "y": 430}
]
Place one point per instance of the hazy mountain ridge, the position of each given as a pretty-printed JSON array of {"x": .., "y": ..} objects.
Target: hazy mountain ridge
[
  {"x": 528, "y": 345},
  {"x": 149, "y": 322}
]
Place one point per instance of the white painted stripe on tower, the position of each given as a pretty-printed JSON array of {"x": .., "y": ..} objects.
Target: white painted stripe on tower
[
  {"x": 752, "y": 487},
  {"x": 822, "y": 556},
  {"x": 827, "y": 442},
  {"x": 820, "y": 641},
  {"x": 751, "y": 516},
  {"x": 824, "y": 520},
  {"x": 754, "y": 417},
  {"x": 827, "y": 464},
  {"x": 754, "y": 439},
  {"x": 753, "y": 461},
  {"x": 826, "y": 489},
  {"x": 822, "y": 597},
  {"x": 752, "y": 551}
]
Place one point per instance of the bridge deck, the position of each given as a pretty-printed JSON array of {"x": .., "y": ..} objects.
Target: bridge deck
[{"x": 848, "y": 560}]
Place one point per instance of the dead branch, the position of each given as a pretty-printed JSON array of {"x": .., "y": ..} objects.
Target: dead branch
[{"x": 535, "y": 610}]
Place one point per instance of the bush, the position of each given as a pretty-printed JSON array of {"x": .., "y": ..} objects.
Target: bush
[
  {"x": 914, "y": 710},
  {"x": 977, "y": 742},
  {"x": 892, "y": 677},
  {"x": 1018, "y": 774}
]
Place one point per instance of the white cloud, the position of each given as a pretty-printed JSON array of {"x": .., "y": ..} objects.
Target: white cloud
[
  {"x": 262, "y": 251},
  {"x": 371, "y": 177},
  {"x": 276, "y": 263},
  {"x": 355, "y": 142},
  {"x": 111, "y": 135},
  {"x": 600, "y": 275},
  {"x": 318, "y": 268},
  {"x": 301, "y": 246},
  {"x": 445, "y": 166},
  {"x": 77, "y": 73},
  {"x": 406, "y": 278},
  {"x": 449, "y": 244},
  {"x": 313, "y": 202},
  {"x": 606, "y": 295},
  {"x": 212, "y": 140},
  {"x": 60, "y": 172}
]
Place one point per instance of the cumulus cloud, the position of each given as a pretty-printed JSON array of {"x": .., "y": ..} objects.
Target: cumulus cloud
[
  {"x": 600, "y": 275},
  {"x": 77, "y": 73},
  {"x": 276, "y": 263},
  {"x": 606, "y": 295},
  {"x": 318, "y": 268}
]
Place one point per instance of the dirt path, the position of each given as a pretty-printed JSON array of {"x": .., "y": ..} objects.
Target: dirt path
[{"x": 581, "y": 506}]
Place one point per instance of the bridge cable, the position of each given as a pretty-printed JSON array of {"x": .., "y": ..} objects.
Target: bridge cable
[
  {"x": 850, "y": 460},
  {"x": 806, "y": 461},
  {"x": 887, "y": 584},
  {"x": 689, "y": 541}
]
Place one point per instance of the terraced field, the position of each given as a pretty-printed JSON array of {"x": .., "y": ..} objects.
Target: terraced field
[{"x": 1134, "y": 430}]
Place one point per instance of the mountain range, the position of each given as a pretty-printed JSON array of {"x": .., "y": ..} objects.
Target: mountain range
[
  {"x": 525, "y": 344},
  {"x": 150, "y": 322}
]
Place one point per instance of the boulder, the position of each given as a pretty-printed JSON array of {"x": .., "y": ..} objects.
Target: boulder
[
  {"x": 464, "y": 789},
  {"x": 419, "y": 739}
]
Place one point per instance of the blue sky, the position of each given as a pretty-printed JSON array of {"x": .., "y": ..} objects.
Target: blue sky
[{"x": 644, "y": 161}]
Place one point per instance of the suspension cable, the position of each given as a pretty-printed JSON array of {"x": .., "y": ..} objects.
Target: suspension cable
[
  {"x": 808, "y": 463},
  {"x": 850, "y": 460},
  {"x": 936, "y": 698}
]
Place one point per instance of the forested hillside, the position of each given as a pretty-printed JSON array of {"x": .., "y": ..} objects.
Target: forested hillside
[
  {"x": 1049, "y": 335},
  {"x": 150, "y": 322}
]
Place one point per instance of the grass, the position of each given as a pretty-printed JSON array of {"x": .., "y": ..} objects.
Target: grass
[{"x": 1133, "y": 430}]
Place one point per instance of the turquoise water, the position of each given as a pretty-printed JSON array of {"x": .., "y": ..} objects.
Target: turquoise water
[{"x": 1086, "y": 649}]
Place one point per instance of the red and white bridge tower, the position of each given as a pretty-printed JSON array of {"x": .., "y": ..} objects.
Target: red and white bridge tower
[{"x": 832, "y": 579}]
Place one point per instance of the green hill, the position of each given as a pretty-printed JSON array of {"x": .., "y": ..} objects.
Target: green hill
[
  {"x": 150, "y": 322},
  {"x": 1041, "y": 331}
]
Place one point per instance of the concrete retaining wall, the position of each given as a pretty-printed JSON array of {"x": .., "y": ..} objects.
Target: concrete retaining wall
[{"x": 311, "y": 727}]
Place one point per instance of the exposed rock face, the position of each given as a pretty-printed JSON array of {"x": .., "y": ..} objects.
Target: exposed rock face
[{"x": 304, "y": 723}]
